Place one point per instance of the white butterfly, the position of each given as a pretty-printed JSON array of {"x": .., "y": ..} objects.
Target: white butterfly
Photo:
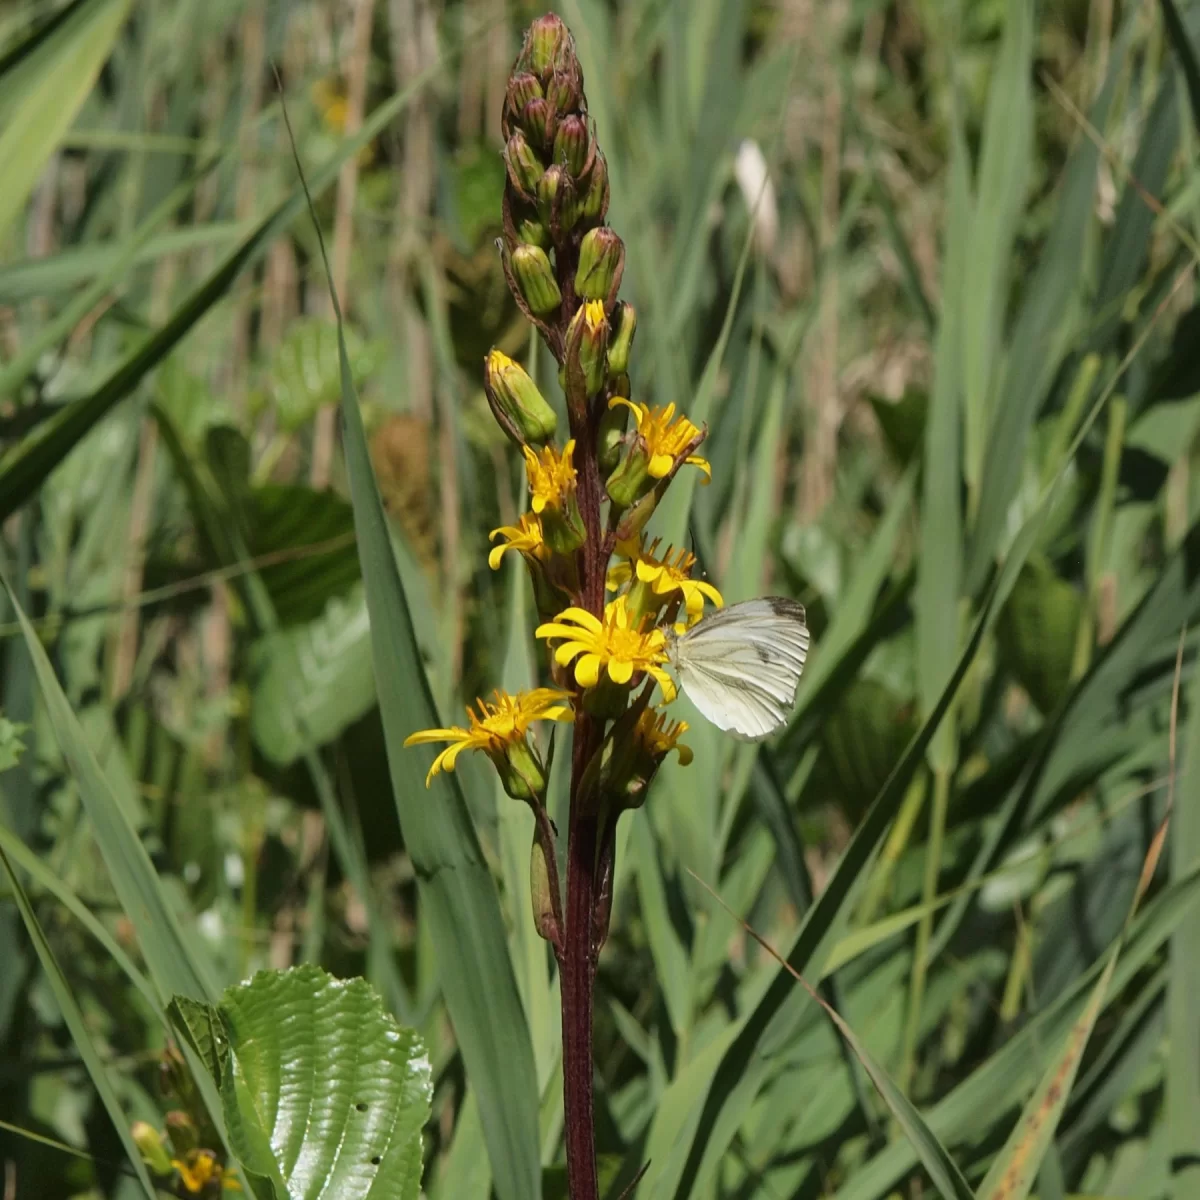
[{"x": 740, "y": 666}]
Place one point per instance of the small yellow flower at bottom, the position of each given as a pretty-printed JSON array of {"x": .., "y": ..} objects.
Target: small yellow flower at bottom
[
  {"x": 664, "y": 576},
  {"x": 199, "y": 1169},
  {"x": 615, "y": 644},
  {"x": 656, "y": 736},
  {"x": 497, "y": 726},
  {"x": 666, "y": 436}
]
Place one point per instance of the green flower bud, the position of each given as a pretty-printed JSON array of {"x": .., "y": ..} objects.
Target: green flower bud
[
  {"x": 571, "y": 144},
  {"x": 150, "y": 1143},
  {"x": 552, "y": 182},
  {"x": 565, "y": 90},
  {"x": 632, "y": 476},
  {"x": 610, "y": 435},
  {"x": 524, "y": 167},
  {"x": 544, "y": 920},
  {"x": 624, "y": 326},
  {"x": 522, "y": 89},
  {"x": 563, "y": 528},
  {"x": 601, "y": 256},
  {"x": 535, "y": 278},
  {"x": 539, "y": 121},
  {"x": 547, "y": 45},
  {"x": 519, "y": 408},
  {"x": 587, "y": 337},
  {"x": 521, "y": 772},
  {"x": 594, "y": 202},
  {"x": 533, "y": 233}
]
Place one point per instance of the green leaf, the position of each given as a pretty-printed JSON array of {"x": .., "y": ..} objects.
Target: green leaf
[
  {"x": 324, "y": 1094},
  {"x": 1037, "y": 631},
  {"x": 454, "y": 883},
  {"x": 305, "y": 375},
  {"x": 43, "y": 84},
  {"x": 312, "y": 681}
]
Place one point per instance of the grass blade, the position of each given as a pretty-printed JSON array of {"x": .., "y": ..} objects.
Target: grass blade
[
  {"x": 78, "y": 1026},
  {"x": 171, "y": 957},
  {"x": 43, "y": 84}
]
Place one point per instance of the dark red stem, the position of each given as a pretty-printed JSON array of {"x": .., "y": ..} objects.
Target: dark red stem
[{"x": 577, "y": 962}]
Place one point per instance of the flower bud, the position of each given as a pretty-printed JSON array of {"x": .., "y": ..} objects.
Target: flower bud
[
  {"x": 519, "y": 408},
  {"x": 610, "y": 436},
  {"x": 593, "y": 204},
  {"x": 544, "y": 920},
  {"x": 587, "y": 336},
  {"x": 535, "y": 277},
  {"x": 524, "y": 167},
  {"x": 624, "y": 325},
  {"x": 601, "y": 255},
  {"x": 532, "y": 232},
  {"x": 150, "y": 1143},
  {"x": 521, "y": 772},
  {"x": 571, "y": 144},
  {"x": 547, "y": 44},
  {"x": 539, "y": 120},
  {"x": 563, "y": 528},
  {"x": 565, "y": 89},
  {"x": 552, "y": 182},
  {"x": 523, "y": 88},
  {"x": 632, "y": 476}
]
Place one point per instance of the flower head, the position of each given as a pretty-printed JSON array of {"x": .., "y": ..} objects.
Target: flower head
[
  {"x": 664, "y": 576},
  {"x": 526, "y": 538},
  {"x": 656, "y": 736},
  {"x": 666, "y": 436},
  {"x": 616, "y": 644},
  {"x": 498, "y": 728},
  {"x": 551, "y": 477}
]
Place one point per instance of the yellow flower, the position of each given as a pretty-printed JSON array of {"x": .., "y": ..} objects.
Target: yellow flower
[
  {"x": 665, "y": 576},
  {"x": 614, "y": 643},
  {"x": 665, "y": 435},
  {"x": 657, "y": 736},
  {"x": 551, "y": 477},
  {"x": 497, "y": 727},
  {"x": 200, "y": 1169},
  {"x": 526, "y": 538}
]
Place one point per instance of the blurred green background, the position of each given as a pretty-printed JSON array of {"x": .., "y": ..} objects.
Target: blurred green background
[{"x": 926, "y": 269}]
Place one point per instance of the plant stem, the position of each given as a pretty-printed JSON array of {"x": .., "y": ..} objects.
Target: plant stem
[{"x": 578, "y": 974}]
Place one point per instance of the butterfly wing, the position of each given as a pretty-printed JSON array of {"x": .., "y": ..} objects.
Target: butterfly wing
[{"x": 741, "y": 665}]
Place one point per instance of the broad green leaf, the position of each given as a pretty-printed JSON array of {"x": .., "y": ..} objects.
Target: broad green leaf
[
  {"x": 454, "y": 882},
  {"x": 42, "y": 86},
  {"x": 65, "y": 998},
  {"x": 313, "y": 680},
  {"x": 324, "y": 1094}
]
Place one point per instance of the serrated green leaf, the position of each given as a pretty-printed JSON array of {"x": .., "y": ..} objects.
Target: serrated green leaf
[{"x": 324, "y": 1093}]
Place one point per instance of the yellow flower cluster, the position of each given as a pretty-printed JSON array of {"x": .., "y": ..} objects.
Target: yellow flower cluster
[{"x": 653, "y": 594}]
